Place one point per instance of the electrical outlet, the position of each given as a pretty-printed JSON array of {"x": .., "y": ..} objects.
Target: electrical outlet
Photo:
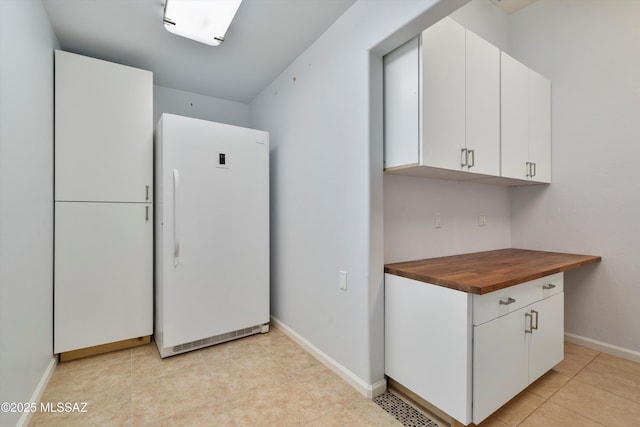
[
  {"x": 482, "y": 220},
  {"x": 343, "y": 281}
]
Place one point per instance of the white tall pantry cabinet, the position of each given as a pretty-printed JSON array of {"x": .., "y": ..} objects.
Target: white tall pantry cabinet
[{"x": 103, "y": 289}]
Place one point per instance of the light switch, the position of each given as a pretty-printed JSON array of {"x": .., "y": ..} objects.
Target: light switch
[{"x": 343, "y": 280}]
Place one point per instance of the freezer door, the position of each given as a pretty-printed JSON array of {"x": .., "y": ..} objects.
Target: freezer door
[{"x": 214, "y": 229}]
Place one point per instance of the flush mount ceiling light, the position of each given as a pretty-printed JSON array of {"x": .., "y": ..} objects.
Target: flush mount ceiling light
[{"x": 205, "y": 21}]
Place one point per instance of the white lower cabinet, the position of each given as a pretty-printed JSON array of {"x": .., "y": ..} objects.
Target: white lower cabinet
[
  {"x": 470, "y": 354},
  {"x": 512, "y": 351},
  {"x": 103, "y": 273},
  {"x": 546, "y": 343},
  {"x": 499, "y": 362}
]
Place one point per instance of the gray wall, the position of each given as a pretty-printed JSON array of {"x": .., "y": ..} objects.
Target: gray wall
[
  {"x": 26, "y": 200},
  {"x": 591, "y": 52},
  {"x": 410, "y": 206},
  {"x": 189, "y": 104},
  {"x": 324, "y": 113}
]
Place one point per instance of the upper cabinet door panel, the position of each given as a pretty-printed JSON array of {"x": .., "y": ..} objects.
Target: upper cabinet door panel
[
  {"x": 103, "y": 130},
  {"x": 443, "y": 94},
  {"x": 540, "y": 126},
  {"x": 483, "y": 104},
  {"x": 515, "y": 118}
]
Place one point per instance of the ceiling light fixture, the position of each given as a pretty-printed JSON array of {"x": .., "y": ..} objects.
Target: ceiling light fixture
[{"x": 205, "y": 21}]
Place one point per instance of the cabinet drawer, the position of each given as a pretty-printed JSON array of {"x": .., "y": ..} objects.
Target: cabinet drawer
[{"x": 488, "y": 307}]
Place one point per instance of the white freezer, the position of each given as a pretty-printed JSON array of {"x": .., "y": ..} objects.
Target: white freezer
[{"x": 212, "y": 233}]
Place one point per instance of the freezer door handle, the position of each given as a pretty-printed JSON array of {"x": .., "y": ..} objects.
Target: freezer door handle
[{"x": 176, "y": 217}]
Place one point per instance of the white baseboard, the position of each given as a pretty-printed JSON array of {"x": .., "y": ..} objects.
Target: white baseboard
[
  {"x": 25, "y": 419},
  {"x": 603, "y": 347},
  {"x": 370, "y": 391}
]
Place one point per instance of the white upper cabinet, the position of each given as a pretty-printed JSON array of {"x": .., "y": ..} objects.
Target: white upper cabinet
[
  {"x": 444, "y": 86},
  {"x": 526, "y": 122},
  {"x": 104, "y": 131},
  {"x": 455, "y": 108}
]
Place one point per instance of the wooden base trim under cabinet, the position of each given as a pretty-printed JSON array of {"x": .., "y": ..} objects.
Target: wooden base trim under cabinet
[
  {"x": 422, "y": 404},
  {"x": 104, "y": 348}
]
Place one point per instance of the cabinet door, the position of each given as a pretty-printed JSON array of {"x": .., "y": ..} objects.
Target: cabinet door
[
  {"x": 443, "y": 94},
  {"x": 515, "y": 117},
  {"x": 500, "y": 359},
  {"x": 540, "y": 126},
  {"x": 483, "y": 105},
  {"x": 546, "y": 347},
  {"x": 103, "y": 273},
  {"x": 103, "y": 130}
]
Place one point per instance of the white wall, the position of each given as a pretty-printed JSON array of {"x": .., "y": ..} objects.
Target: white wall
[
  {"x": 410, "y": 207},
  {"x": 591, "y": 52},
  {"x": 26, "y": 200},
  {"x": 411, "y": 203},
  {"x": 189, "y": 104},
  {"x": 324, "y": 113}
]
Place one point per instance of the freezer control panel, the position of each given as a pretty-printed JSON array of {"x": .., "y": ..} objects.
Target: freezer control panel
[{"x": 223, "y": 160}]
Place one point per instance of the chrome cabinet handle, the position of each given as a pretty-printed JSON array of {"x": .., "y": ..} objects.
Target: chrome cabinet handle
[
  {"x": 508, "y": 301},
  {"x": 548, "y": 286},
  {"x": 464, "y": 157},
  {"x": 146, "y": 192},
  {"x": 146, "y": 215},
  {"x": 473, "y": 158},
  {"x": 528, "y": 165},
  {"x": 536, "y": 325},
  {"x": 530, "y": 330},
  {"x": 533, "y": 165}
]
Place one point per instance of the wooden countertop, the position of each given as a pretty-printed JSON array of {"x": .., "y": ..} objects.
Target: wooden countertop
[{"x": 484, "y": 272}]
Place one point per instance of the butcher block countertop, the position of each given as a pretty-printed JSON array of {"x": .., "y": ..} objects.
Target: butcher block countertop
[{"x": 484, "y": 272}]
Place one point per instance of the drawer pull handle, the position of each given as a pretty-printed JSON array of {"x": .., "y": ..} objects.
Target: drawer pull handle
[
  {"x": 508, "y": 301},
  {"x": 549, "y": 286}
]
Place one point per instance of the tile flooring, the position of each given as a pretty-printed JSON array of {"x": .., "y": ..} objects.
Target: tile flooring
[
  {"x": 262, "y": 380},
  {"x": 268, "y": 380}
]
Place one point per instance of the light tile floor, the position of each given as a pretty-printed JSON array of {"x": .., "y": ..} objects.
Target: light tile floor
[
  {"x": 262, "y": 380},
  {"x": 268, "y": 380}
]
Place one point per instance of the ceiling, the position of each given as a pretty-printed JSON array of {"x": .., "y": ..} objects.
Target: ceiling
[
  {"x": 512, "y": 6},
  {"x": 264, "y": 38}
]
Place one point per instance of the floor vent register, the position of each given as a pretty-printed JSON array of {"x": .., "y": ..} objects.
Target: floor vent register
[{"x": 402, "y": 411}]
